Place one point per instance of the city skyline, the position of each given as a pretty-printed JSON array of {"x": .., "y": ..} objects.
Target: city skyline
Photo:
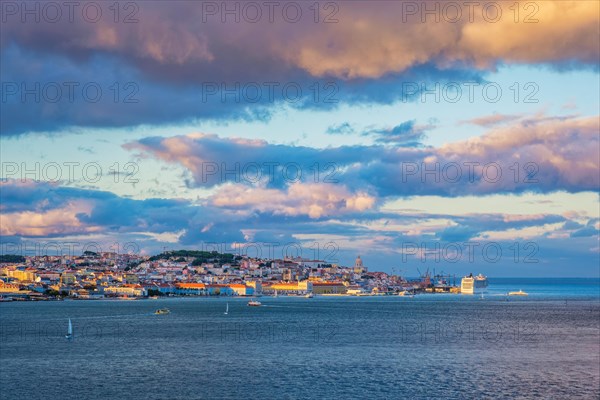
[{"x": 393, "y": 132}]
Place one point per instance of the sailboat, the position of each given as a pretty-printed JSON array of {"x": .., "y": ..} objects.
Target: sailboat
[
  {"x": 226, "y": 309},
  {"x": 69, "y": 334}
]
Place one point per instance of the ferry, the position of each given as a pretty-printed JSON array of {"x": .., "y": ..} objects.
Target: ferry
[
  {"x": 254, "y": 303},
  {"x": 473, "y": 284},
  {"x": 519, "y": 293},
  {"x": 162, "y": 311}
]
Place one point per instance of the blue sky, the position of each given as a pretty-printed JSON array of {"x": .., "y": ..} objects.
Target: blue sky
[{"x": 361, "y": 145}]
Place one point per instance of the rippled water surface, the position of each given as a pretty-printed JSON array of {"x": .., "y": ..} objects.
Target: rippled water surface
[{"x": 545, "y": 345}]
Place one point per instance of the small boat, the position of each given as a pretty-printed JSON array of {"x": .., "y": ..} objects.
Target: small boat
[
  {"x": 226, "y": 309},
  {"x": 254, "y": 303},
  {"x": 519, "y": 293},
  {"x": 126, "y": 298},
  {"x": 162, "y": 311},
  {"x": 69, "y": 335},
  {"x": 309, "y": 295},
  {"x": 5, "y": 299}
]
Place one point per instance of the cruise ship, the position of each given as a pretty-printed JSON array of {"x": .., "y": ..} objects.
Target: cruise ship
[{"x": 473, "y": 284}]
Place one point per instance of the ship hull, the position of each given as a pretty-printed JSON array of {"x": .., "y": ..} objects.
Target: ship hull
[{"x": 471, "y": 285}]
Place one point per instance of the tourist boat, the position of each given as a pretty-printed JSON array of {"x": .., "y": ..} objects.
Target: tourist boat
[
  {"x": 162, "y": 311},
  {"x": 69, "y": 334},
  {"x": 473, "y": 284},
  {"x": 519, "y": 293},
  {"x": 254, "y": 303}
]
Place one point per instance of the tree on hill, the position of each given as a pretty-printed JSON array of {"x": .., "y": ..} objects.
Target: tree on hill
[{"x": 11, "y": 258}]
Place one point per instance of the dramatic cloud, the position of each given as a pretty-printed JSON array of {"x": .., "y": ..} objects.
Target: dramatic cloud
[
  {"x": 537, "y": 154},
  {"x": 157, "y": 65},
  {"x": 183, "y": 63},
  {"x": 256, "y": 220},
  {"x": 53, "y": 222},
  {"x": 362, "y": 40}
]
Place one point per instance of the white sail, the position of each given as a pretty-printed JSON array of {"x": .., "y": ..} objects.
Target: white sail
[
  {"x": 227, "y": 309},
  {"x": 69, "y": 334}
]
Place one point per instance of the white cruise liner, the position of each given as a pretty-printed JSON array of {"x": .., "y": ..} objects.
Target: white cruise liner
[{"x": 473, "y": 284}]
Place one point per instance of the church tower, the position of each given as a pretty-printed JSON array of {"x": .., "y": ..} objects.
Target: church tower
[{"x": 358, "y": 266}]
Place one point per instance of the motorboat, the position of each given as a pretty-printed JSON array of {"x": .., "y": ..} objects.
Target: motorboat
[{"x": 519, "y": 293}]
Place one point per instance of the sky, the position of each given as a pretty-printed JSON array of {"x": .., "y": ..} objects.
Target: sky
[{"x": 448, "y": 136}]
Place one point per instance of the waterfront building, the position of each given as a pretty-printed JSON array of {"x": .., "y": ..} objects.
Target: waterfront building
[
  {"x": 301, "y": 287},
  {"x": 8, "y": 287},
  {"x": 219, "y": 289},
  {"x": 190, "y": 289},
  {"x": 126, "y": 290},
  {"x": 329, "y": 288},
  {"x": 256, "y": 285},
  {"x": 241, "y": 289}
]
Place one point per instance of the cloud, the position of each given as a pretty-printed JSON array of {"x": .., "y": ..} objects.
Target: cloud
[
  {"x": 371, "y": 43},
  {"x": 591, "y": 229},
  {"x": 406, "y": 134},
  {"x": 44, "y": 92},
  {"x": 539, "y": 154},
  {"x": 183, "y": 65},
  {"x": 42, "y": 209},
  {"x": 316, "y": 200},
  {"x": 492, "y": 120},
  {"x": 341, "y": 129},
  {"x": 57, "y": 221},
  {"x": 263, "y": 221},
  {"x": 367, "y": 41}
]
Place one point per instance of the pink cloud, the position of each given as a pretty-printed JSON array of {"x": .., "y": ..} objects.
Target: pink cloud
[
  {"x": 57, "y": 221},
  {"x": 315, "y": 200},
  {"x": 368, "y": 41}
]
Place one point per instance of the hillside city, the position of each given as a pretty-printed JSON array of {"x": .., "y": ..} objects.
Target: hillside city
[{"x": 188, "y": 273}]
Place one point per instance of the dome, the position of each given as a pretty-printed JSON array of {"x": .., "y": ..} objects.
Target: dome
[{"x": 358, "y": 262}]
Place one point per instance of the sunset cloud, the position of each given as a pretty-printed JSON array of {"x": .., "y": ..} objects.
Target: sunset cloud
[
  {"x": 314, "y": 200},
  {"x": 180, "y": 55},
  {"x": 535, "y": 154},
  {"x": 369, "y": 40}
]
